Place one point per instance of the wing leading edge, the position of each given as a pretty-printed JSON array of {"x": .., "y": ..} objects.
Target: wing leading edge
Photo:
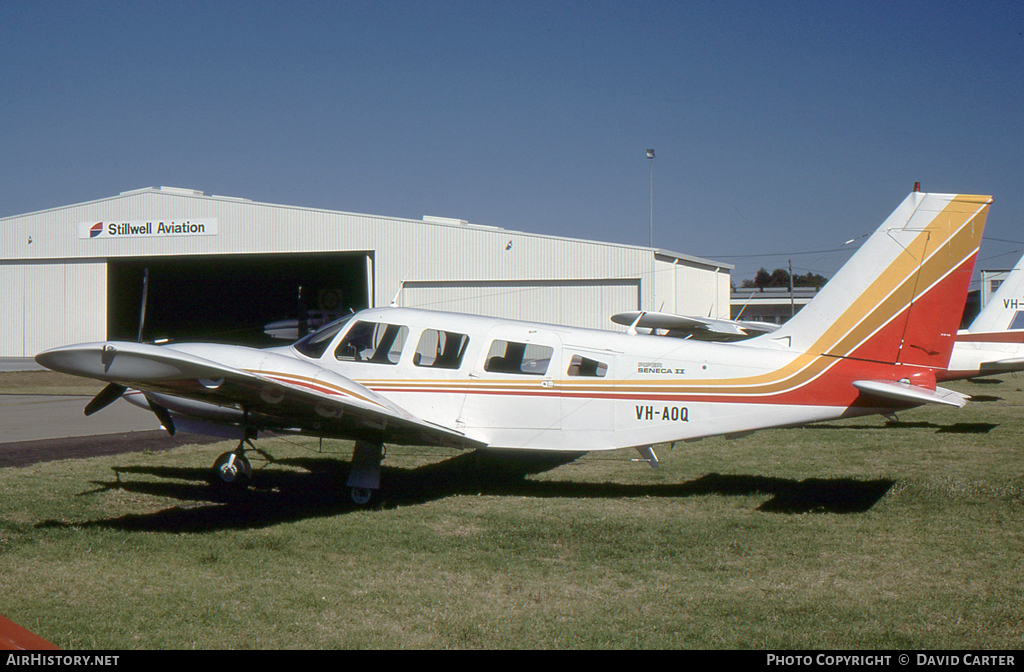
[{"x": 270, "y": 391}]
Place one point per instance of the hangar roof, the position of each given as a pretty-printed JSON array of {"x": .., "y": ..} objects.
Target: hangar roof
[{"x": 428, "y": 220}]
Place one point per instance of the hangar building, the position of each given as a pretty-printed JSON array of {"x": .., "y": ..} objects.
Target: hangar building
[{"x": 219, "y": 268}]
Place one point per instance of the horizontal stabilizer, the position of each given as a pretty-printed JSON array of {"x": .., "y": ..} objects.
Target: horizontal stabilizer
[{"x": 913, "y": 394}]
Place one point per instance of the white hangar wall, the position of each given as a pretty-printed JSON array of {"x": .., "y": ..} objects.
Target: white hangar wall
[
  {"x": 51, "y": 304},
  {"x": 54, "y": 273},
  {"x": 593, "y": 301},
  {"x": 687, "y": 285}
]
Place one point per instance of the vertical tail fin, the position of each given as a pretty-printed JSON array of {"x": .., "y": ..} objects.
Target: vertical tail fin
[
  {"x": 900, "y": 298},
  {"x": 1005, "y": 309}
]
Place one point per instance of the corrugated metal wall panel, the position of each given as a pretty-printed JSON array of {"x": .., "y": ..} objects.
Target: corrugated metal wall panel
[
  {"x": 581, "y": 303},
  {"x": 691, "y": 290},
  {"x": 84, "y": 314},
  {"x": 61, "y": 304},
  {"x": 12, "y": 310},
  {"x": 44, "y": 299},
  {"x": 505, "y": 256}
]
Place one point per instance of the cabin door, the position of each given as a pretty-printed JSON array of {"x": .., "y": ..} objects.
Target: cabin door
[
  {"x": 515, "y": 384},
  {"x": 588, "y": 393}
]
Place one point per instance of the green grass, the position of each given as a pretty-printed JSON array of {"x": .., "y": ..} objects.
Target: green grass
[{"x": 846, "y": 535}]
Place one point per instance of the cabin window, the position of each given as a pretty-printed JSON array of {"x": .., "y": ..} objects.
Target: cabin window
[
  {"x": 374, "y": 342},
  {"x": 584, "y": 366},
  {"x": 522, "y": 358},
  {"x": 1018, "y": 320},
  {"x": 440, "y": 349},
  {"x": 314, "y": 345}
]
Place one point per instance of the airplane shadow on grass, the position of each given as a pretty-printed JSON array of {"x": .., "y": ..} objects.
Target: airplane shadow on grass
[
  {"x": 954, "y": 428},
  {"x": 318, "y": 489}
]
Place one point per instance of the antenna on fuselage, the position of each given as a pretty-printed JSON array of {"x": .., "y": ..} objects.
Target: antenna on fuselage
[
  {"x": 632, "y": 328},
  {"x": 394, "y": 301}
]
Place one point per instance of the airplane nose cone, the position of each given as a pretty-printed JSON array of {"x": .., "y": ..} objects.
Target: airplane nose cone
[
  {"x": 109, "y": 361},
  {"x": 59, "y": 359},
  {"x": 85, "y": 359}
]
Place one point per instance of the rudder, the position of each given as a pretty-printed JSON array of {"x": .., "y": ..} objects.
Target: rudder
[{"x": 900, "y": 298}]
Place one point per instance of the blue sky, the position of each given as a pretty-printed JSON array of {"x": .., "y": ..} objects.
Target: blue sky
[{"x": 781, "y": 129}]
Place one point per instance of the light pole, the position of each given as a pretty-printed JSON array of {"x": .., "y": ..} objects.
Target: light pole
[{"x": 650, "y": 157}]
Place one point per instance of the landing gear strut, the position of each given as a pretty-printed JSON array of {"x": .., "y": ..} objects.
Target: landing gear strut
[
  {"x": 232, "y": 470},
  {"x": 364, "y": 473}
]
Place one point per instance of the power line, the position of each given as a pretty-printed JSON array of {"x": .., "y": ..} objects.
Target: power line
[{"x": 786, "y": 254}]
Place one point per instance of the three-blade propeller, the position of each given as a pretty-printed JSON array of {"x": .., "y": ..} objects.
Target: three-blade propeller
[
  {"x": 112, "y": 392},
  {"x": 106, "y": 397}
]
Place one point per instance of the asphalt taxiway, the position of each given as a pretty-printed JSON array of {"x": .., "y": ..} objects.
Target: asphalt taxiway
[
  {"x": 31, "y": 417},
  {"x": 40, "y": 428}
]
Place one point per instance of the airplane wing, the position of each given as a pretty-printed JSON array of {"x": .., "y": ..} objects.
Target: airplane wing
[
  {"x": 704, "y": 328},
  {"x": 274, "y": 391}
]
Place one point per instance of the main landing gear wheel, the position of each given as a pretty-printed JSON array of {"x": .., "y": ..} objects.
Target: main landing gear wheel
[
  {"x": 232, "y": 470},
  {"x": 361, "y": 496}
]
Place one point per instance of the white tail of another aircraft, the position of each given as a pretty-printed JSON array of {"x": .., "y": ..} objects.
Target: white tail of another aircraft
[
  {"x": 994, "y": 343},
  {"x": 1005, "y": 309}
]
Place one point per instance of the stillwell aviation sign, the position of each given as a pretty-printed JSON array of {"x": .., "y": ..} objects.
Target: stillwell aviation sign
[{"x": 173, "y": 228}]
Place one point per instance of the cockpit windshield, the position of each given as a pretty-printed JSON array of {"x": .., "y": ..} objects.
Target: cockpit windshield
[{"x": 314, "y": 345}]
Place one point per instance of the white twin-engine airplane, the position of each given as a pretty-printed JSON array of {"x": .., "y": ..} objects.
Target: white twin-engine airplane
[
  {"x": 994, "y": 343},
  {"x": 873, "y": 340}
]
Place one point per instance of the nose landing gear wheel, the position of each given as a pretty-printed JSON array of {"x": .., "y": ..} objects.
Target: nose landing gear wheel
[{"x": 232, "y": 470}]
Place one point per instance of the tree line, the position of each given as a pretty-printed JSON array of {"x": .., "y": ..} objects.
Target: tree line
[{"x": 780, "y": 278}]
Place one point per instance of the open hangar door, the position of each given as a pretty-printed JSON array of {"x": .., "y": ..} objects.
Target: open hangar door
[{"x": 229, "y": 298}]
